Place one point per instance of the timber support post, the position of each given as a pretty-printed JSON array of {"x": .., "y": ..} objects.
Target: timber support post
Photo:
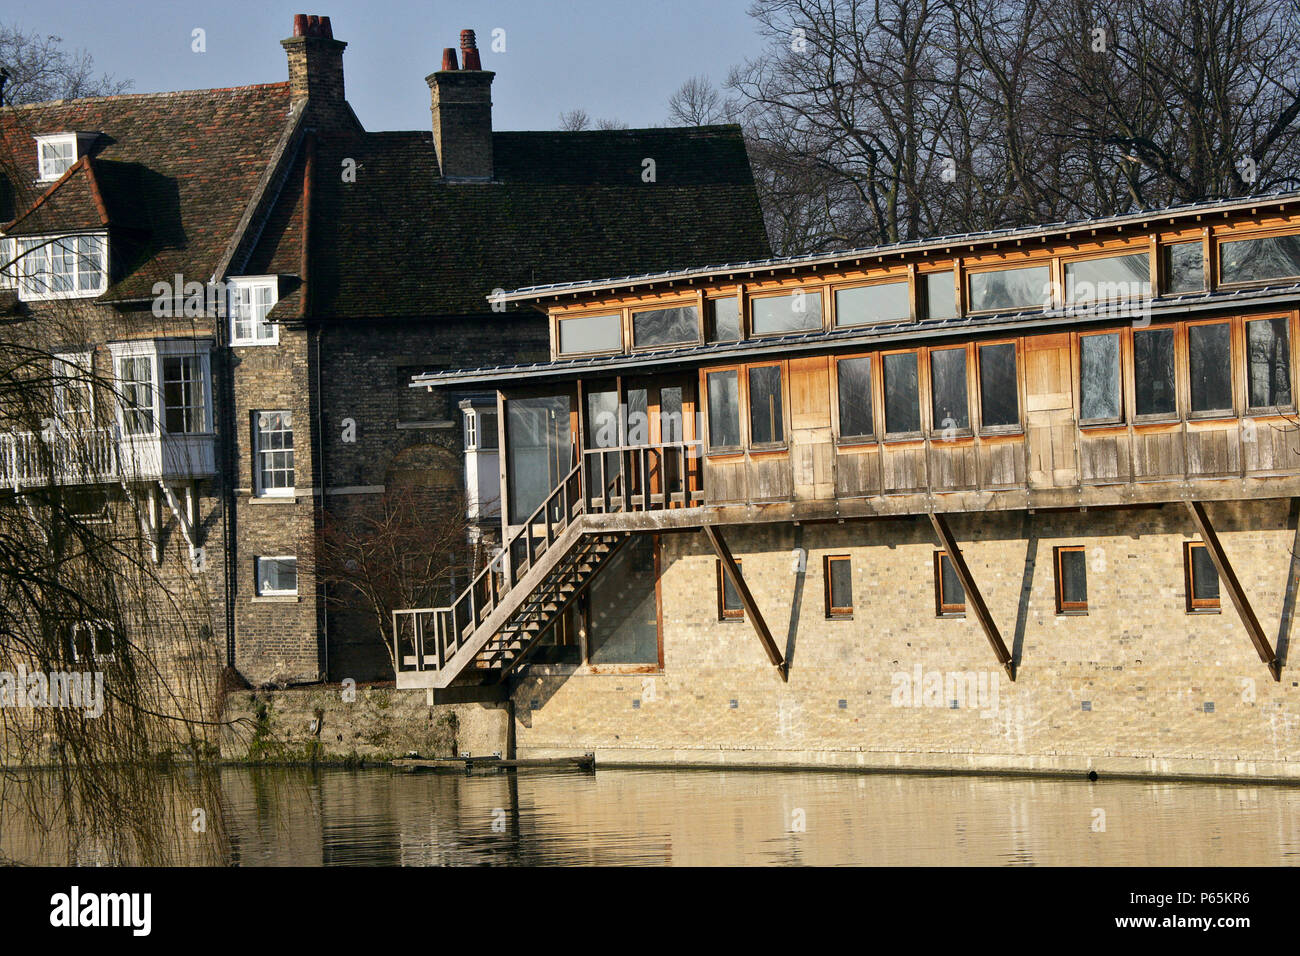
[
  {"x": 973, "y": 595},
  {"x": 1229, "y": 579},
  {"x": 732, "y": 571}
]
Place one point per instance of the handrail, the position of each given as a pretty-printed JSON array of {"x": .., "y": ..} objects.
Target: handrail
[
  {"x": 82, "y": 454},
  {"x": 448, "y": 640}
]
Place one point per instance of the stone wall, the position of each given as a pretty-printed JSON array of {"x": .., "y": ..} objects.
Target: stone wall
[
  {"x": 1135, "y": 685},
  {"x": 332, "y": 722}
]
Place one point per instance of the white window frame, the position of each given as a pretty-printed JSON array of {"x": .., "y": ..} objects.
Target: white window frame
[
  {"x": 249, "y": 286},
  {"x": 48, "y": 172},
  {"x": 92, "y": 657},
  {"x": 259, "y": 488},
  {"x": 157, "y": 351},
  {"x": 80, "y": 363},
  {"x": 274, "y": 592},
  {"x": 37, "y": 255},
  {"x": 8, "y": 267}
]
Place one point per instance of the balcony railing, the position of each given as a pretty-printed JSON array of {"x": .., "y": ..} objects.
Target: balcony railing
[{"x": 88, "y": 456}]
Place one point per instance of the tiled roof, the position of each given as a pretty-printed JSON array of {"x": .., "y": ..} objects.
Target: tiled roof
[
  {"x": 399, "y": 241},
  {"x": 176, "y": 169}
]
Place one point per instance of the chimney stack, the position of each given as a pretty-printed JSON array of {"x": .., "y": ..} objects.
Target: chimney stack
[
  {"x": 316, "y": 69},
  {"x": 461, "y": 101}
]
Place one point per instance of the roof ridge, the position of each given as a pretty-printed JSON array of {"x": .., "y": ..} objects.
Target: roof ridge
[{"x": 118, "y": 97}]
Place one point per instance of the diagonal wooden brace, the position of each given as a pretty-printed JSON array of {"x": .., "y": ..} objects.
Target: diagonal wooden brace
[
  {"x": 973, "y": 596},
  {"x": 1229, "y": 579},
  {"x": 732, "y": 571}
]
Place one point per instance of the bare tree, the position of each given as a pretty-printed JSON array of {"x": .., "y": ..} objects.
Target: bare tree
[
  {"x": 697, "y": 102},
  {"x": 40, "y": 68},
  {"x": 575, "y": 121},
  {"x": 412, "y": 551}
]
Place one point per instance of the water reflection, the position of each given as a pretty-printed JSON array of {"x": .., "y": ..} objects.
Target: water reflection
[{"x": 380, "y": 817}]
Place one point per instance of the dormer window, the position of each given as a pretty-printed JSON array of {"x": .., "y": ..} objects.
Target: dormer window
[
  {"x": 62, "y": 267},
  {"x": 250, "y": 300},
  {"x": 56, "y": 154}
]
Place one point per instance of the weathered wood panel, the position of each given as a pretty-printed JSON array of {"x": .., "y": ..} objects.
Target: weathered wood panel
[
  {"x": 771, "y": 478},
  {"x": 904, "y": 468},
  {"x": 1049, "y": 410},
  {"x": 953, "y": 466},
  {"x": 810, "y": 392},
  {"x": 857, "y": 472},
  {"x": 1002, "y": 463},
  {"x": 1104, "y": 457},
  {"x": 813, "y": 456},
  {"x": 1158, "y": 453},
  {"x": 725, "y": 480},
  {"x": 1213, "y": 449},
  {"x": 1270, "y": 446}
]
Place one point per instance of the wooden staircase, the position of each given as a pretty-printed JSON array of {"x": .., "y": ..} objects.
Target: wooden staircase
[{"x": 497, "y": 621}]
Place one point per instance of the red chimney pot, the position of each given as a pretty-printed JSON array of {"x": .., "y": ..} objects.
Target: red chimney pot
[
  {"x": 469, "y": 49},
  {"x": 449, "y": 59}
]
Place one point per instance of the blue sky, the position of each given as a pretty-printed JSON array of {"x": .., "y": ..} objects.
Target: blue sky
[{"x": 618, "y": 58}]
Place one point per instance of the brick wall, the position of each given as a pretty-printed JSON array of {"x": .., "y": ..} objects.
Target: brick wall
[{"x": 1137, "y": 685}]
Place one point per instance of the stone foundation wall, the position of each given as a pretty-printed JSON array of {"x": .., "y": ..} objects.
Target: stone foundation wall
[
  {"x": 320, "y": 723},
  {"x": 1135, "y": 685}
]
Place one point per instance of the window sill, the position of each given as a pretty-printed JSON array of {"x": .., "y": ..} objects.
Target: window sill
[
  {"x": 1218, "y": 415},
  {"x": 951, "y": 614},
  {"x": 1002, "y": 431},
  {"x": 903, "y": 438},
  {"x": 1272, "y": 411},
  {"x": 839, "y": 617},
  {"x": 275, "y": 599},
  {"x": 273, "y": 500},
  {"x": 1118, "y": 424},
  {"x": 1205, "y": 610},
  {"x": 1072, "y": 613}
]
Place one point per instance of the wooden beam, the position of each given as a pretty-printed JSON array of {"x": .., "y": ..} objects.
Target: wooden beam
[
  {"x": 732, "y": 571},
  {"x": 1229, "y": 579},
  {"x": 973, "y": 596}
]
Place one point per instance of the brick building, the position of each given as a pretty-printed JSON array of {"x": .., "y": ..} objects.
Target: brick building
[
  {"x": 260, "y": 276},
  {"x": 1021, "y": 500}
]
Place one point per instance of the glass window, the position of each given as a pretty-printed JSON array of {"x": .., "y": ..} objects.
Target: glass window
[
  {"x": 1153, "y": 372},
  {"x": 135, "y": 385},
  {"x": 839, "y": 586},
  {"x": 950, "y": 596},
  {"x": 57, "y": 156},
  {"x": 72, "y": 265},
  {"x": 488, "y": 439},
  {"x": 1071, "y": 579},
  {"x": 1268, "y": 357},
  {"x": 539, "y": 451},
  {"x": 624, "y": 620},
  {"x": 1108, "y": 278},
  {"x": 662, "y": 327},
  {"x": 1209, "y": 349},
  {"x": 902, "y": 394},
  {"x": 277, "y": 575},
  {"x": 724, "y": 409},
  {"x": 1026, "y": 287},
  {"x": 1202, "y": 577},
  {"x": 766, "y": 419},
  {"x": 864, "y": 305},
  {"x": 1099, "y": 378},
  {"x": 999, "y": 388},
  {"x": 938, "y": 295},
  {"x": 1256, "y": 260},
  {"x": 948, "y": 384},
  {"x": 273, "y": 452},
  {"x": 1184, "y": 264},
  {"x": 729, "y": 603},
  {"x": 91, "y": 641},
  {"x": 590, "y": 333},
  {"x": 797, "y": 312},
  {"x": 723, "y": 320},
  {"x": 184, "y": 410},
  {"x": 856, "y": 417},
  {"x": 249, "y": 304},
  {"x": 74, "y": 393}
]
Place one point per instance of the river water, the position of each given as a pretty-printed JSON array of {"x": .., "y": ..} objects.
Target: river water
[{"x": 271, "y": 817}]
